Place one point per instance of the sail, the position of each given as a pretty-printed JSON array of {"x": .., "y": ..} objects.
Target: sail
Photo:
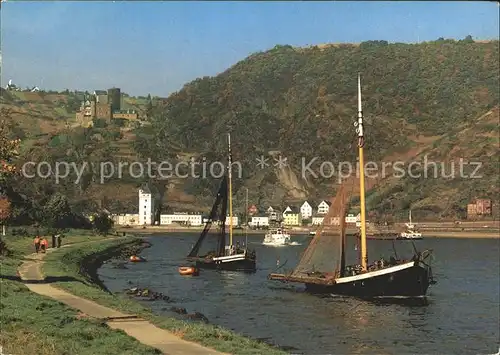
[
  {"x": 212, "y": 242},
  {"x": 325, "y": 252}
]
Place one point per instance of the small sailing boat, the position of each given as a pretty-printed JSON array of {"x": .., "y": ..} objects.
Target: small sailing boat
[
  {"x": 411, "y": 233},
  {"x": 220, "y": 256},
  {"x": 323, "y": 267}
]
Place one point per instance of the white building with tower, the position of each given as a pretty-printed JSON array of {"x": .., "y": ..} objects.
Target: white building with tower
[{"x": 146, "y": 206}]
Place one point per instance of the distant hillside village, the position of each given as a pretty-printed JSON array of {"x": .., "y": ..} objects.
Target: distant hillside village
[
  {"x": 290, "y": 216},
  {"x": 13, "y": 87}
]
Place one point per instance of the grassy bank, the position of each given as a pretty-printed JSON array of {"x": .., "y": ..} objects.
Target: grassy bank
[
  {"x": 34, "y": 324},
  {"x": 69, "y": 262}
]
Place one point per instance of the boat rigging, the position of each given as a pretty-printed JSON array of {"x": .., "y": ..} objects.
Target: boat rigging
[
  {"x": 323, "y": 267},
  {"x": 222, "y": 256}
]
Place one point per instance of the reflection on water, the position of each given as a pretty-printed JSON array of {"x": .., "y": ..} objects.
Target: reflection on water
[{"x": 460, "y": 314}]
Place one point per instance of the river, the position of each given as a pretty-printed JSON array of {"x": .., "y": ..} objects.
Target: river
[{"x": 461, "y": 316}]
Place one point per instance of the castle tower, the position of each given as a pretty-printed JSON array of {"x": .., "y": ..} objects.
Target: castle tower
[{"x": 115, "y": 99}]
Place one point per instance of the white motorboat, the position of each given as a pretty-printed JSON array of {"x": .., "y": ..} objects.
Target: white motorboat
[
  {"x": 411, "y": 232},
  {"x": 276, "y": 237}
]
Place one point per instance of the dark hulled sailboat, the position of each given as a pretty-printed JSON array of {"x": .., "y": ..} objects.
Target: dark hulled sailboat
[
  {"x": 220, "y": 256},
  {"x": 323, "y": 267}
]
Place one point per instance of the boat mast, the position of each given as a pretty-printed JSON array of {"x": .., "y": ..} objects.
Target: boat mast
[
  {"x": 361, "y": 143},
  {"x": 246, "y": 221},
  {"x": 230, "y": 192}
]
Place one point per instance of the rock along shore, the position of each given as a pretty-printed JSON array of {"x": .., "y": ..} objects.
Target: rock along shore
[{"x": 89, "y": 265}]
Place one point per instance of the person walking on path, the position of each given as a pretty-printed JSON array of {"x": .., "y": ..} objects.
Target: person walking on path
[
  {"x": 44, "y": 244},
  {"x": 36, "y": 242}
]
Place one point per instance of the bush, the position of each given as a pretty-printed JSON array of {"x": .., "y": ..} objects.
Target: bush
[
  {"x": 22, "y": 232},
  {"x": 102, "y": 223},
  {"x": 119, "y": 122},
  {"x": 99, "y": 123}
]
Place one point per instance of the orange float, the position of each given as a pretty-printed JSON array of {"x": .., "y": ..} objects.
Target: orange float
[
  {"x": 189, "y": 270},
  {"x": 136, "y": 259}
]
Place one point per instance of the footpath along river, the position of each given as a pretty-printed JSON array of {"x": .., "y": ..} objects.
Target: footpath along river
[{"x": 461, "y": 317}]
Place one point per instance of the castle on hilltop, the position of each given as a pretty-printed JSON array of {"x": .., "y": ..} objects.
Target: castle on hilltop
[{"x": 105, "y": 105}]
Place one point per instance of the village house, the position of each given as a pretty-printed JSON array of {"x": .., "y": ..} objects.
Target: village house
[
  {"x": 317, "y": 219},
  {"x": 352, "y": 219},
  {"x": 235, "y": 221},
  {"x": 12, "y": 87},
  {"x": 274, "y": 213},
  {"x": 479, "y": 207},
  {"x": 185, "y": 218},
  {"x": 306, "y": 210},
  {"x": 126, "y": 219},
  {"x": 252, "y": 210},
  {"x": 261, "y": 220},
  {"x": 324, "y": 207},
  {"x": 292, "y": 217}
]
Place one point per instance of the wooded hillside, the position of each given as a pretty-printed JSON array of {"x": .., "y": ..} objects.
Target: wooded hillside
[{"x": 417, "y": 98}]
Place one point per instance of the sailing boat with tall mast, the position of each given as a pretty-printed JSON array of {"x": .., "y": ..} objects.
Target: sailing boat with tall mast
[
  {"x": 411, "y": 232},
  {"x": 323, "y": 268},
  {"x": 218, "y": 255}
]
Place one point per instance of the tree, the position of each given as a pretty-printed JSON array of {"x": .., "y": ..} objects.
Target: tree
[
  {"x": 5, "y": 212},
  {"x": 102, "y": 223},
  {"x": 468, "y": 39},
  {"x": 72, "y": 104},
  {"x": 149, "y": 107},
  {"x": 8, "y": 151},
  {"x": 57, "y": 212}
]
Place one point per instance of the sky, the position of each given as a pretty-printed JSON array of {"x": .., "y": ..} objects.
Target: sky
[{"x": 157, "y": 47}]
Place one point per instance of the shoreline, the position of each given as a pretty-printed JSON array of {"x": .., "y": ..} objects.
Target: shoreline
[
  {"x": 89, "y": 265},
  {"x": 426, "y": 232},
  {"x": 34, "y": 311},
  {"x": 209, "y": 335}
]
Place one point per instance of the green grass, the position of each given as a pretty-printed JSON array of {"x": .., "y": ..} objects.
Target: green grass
[
  {"x": 23, "y": 245},
  {"x": 67, "y": 263},
  {"x": 34, "y": 324}
]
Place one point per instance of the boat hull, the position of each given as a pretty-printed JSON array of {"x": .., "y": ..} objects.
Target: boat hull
[
  {"x": 415, "y": 237},
  {"x": 271, "y": 244},
  {"x": 406, "y": 280},
  {"x": 235, "y": 264}
]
